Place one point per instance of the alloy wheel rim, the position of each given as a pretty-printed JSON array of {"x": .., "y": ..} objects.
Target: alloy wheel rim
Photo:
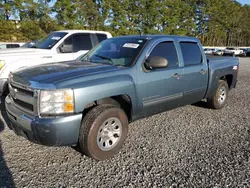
[
  {"x": 109, "y": 134},
  {"x": 222, "y": 95}
]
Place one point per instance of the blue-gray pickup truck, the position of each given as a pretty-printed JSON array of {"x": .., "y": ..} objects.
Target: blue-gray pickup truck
[{"x": 88, "y": 103}]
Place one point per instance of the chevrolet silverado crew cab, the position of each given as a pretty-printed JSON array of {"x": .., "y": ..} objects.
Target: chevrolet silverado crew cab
[
  {"x": 58, "y": 46},
  {"x": 88, "y": 103}
]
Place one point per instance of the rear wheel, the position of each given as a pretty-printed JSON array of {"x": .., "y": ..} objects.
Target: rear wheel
[
  {"x": 103, "y": 132},
  {"x": 219, "y": 99}
]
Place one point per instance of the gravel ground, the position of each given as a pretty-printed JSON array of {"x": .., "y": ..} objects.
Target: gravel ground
[{"x": 186, "y": 147}]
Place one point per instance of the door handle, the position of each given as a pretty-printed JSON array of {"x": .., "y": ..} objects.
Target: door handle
[
  {"x": 176, "y": 76},
  {"x": 203, "y": 71}
]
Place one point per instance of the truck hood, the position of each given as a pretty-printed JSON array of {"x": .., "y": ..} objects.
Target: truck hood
[{"x": 53, "y": 73}]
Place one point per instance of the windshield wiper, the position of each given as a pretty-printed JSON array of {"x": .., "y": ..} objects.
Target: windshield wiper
[{"x": 103, "y": 57}]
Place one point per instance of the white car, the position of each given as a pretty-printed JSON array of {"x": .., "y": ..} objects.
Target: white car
[
  {"x": 208, "y": 51},
  {"x": 233, "y": 51},
  {"x": 64, "y": 45},
  {"x": 218, "y": 52}
]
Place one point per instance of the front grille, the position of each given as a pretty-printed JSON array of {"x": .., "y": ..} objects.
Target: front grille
[
  {"x": 23, "y": 98},
  {"x": 27, "y": 92},
  {"x": 24, "y": 104}
]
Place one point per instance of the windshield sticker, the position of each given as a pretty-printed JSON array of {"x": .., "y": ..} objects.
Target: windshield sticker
[
  {"x": 140, "y": 41},
  {"x": 56, "y": 38},
  {"x": 131, "y": 45}
]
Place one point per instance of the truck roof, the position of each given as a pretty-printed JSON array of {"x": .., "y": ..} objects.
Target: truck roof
[
  {"x": 71, "y": 31},
  {"x": 149, "y": 37}
]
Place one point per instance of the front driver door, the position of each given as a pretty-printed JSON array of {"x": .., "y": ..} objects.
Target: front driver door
[
  {"x": 160, "y": 89},
  {"x": 74, "y": 46},
  {"x": 65, "y": 51}
]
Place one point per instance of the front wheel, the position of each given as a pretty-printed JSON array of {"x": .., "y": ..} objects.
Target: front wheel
[
  {"x": 219, "y": 99},
  {"x": 103, "y": 132}
]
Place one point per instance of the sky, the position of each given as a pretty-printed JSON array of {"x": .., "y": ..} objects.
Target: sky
[{"x": 244, "y": 1}]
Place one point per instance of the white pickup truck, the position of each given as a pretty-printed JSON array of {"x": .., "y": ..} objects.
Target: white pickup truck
[{"x": 58, "y": 46}]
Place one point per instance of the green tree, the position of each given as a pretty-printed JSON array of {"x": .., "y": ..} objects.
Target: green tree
[
  {"x": 7, "y": 30},
  {"x": 31, "y": 30},
  {"x": 65, "y": 13}
]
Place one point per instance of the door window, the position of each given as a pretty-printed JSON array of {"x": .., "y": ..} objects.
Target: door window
[
  {"x": 191, "y": 53},
  {"x": 166, "y": 50},
  {"x": 77, "y": 42},
  {"x": 101, "y": 37},
  {"x": 68, "y": 45},
  {"x": 81, "y": 42}
]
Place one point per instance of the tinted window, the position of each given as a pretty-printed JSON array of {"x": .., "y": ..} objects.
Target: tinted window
[
  {"x": 12, "y": 45},
  {"x": 168, "y": 51},
  {"x": 81, "y": 42},
  {"x": 68, "y": 43},
  {"x": 191, "y": 53},
  {"x": 29, "y": 44},
  {"x": 101, "y": 37}
]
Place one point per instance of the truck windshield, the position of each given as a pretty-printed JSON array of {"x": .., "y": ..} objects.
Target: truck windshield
[
  {"x": 49, "y": 41},
  {"x": 116, "y": 51}
]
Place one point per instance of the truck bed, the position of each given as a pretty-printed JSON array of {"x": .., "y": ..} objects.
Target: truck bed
[
  {"x": 216, "y": 59},
  {"x": 218, "y": 67}
]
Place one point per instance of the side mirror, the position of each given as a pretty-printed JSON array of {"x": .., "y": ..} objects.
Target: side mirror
[
  {"x": 66, "y": 48},
  {"x": 155, "y": 62}
]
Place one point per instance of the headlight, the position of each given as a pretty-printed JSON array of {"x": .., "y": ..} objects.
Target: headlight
[
  {"x": 56, "y": 102},
  {"x": 2, "y": 63}
]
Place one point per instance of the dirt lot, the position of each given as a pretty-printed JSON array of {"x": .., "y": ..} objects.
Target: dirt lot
[{"x": 186, "y": 147}]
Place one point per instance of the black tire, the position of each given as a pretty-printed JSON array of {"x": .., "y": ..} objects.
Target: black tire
[
  {"x": 90, "y": 128},
  {"x": 216, "y": 102}
]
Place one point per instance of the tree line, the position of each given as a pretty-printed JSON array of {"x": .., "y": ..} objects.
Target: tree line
[{"x": 214, "y": 22}]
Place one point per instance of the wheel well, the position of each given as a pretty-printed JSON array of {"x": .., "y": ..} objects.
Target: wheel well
[
  {"x": 229, "y": 79},
  {"x": 121, "y": 101}
]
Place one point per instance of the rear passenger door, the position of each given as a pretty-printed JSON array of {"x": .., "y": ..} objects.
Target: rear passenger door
[{"x": 195, "y": 76}]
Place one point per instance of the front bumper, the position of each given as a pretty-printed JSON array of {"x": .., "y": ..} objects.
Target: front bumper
[
  {"x": 49, "y": 131},
  {"x": 3, "y": 82}
]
